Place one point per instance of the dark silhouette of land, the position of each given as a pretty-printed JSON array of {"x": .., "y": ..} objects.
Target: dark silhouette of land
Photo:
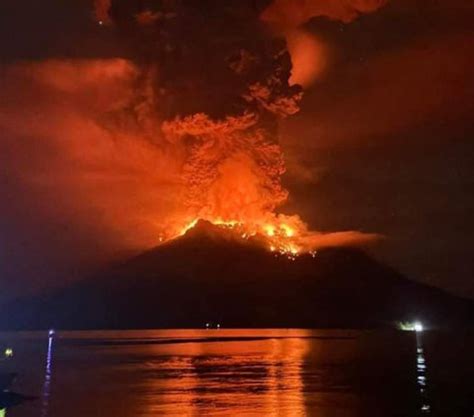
[{"x": 209, "y": 276}]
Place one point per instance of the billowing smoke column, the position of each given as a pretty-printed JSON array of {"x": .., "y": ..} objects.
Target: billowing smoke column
[
  {"x": 215, "y": 86},
  {"x": 212, "y": 86}
]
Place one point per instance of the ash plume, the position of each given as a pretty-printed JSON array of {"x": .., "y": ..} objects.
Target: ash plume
[
  {"x": 216, "y": 91},
  {"x": 121, "y": 151},
  {"x": 214, "y": 84}
]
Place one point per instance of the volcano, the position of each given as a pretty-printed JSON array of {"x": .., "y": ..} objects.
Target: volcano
[{"x": 210, "y": 276}]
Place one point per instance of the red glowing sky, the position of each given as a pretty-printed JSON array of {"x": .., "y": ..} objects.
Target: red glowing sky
[{"x": 383, "y": 142}]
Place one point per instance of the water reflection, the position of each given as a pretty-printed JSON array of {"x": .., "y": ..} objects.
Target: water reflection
[
  {"x": 47, "y": 376},
  {"x": 421, "y": 375},
  {"x": 224, "y": 373},
  {"x": 260, "y": 377}
]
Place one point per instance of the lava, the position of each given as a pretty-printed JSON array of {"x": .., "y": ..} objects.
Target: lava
[
  {"x": 210, "y": 97},
  {"x": 287, "y": 235},
  {"x": 279, "y": 237}
]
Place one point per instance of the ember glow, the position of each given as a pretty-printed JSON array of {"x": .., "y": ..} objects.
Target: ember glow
[
  {"x": 132, "y": 152},
  {"x": 214, "y": 101},
  {"x": 279, "y": 237},
  {"x": 282, "y": 234}
]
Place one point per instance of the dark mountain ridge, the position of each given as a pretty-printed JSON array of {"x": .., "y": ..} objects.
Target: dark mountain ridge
[{"x": 210, "y": 276}]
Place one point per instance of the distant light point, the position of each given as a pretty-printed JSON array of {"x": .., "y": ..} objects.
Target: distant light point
[{"x": 418, "y": 327}]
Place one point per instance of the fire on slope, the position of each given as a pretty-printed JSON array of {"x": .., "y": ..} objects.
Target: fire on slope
[
  {"x": 211, "y": 93},
  {"x": 283, "y": 235}
]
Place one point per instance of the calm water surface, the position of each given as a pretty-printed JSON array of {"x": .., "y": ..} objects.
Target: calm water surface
[{"x": 242, "y": 373}]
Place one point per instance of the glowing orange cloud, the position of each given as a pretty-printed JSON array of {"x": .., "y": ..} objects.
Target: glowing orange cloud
[
  {"x": 288, "y": 14},
  {"x": 147, "y": 148},
  {"x": 70, "y": 144},
  {"x": 309, "y": 56},
  {"x": 66, "y": 145}
]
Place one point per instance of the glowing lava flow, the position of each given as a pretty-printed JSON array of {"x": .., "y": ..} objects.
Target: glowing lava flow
[
  {"x": 284, "y": 236},
  {"x": 214, "y": 128}
]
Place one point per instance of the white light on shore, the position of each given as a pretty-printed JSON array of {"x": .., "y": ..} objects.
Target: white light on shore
[
  {"x": 414, "y": 326},
  {"x": 418, "y": 326}
]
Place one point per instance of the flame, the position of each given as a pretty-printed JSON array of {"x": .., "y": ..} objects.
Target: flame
[
  {"x": 187, "y": 227},
  {"x": 278, "y": 236},
  {"x": 216, "y": 144}
]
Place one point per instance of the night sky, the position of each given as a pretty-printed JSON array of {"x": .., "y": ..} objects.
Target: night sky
[{"x": 383, "y": 142}]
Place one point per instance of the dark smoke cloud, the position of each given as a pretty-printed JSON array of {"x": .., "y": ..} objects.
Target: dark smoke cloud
[
  {"x": 218, "y": 84},
  {"x": 217, "y": 90},
  {"x": 310, "y": 54},
  {"x": 390, "y": 131},
  {"x": 383, "y": 141},
  {"x": 289, "y": 14},
  {"x": 424, "y": 84},
  {"x": 120, "y": 152}
]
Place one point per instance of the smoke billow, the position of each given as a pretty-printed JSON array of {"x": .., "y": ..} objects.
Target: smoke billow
[
  {"x": 309, "y": 54},
  {"x": 61, "y": 141},
  {"x": 288, "y": 14},
  {"x": 186, "y": 127},
  {"x": 215, "y": 84}
]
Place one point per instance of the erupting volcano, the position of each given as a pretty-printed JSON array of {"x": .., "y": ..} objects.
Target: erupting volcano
[
  {"x": 211, "y": 84},
  {"x": 213, "y": 275},
  {"x": 194, "y": 137}
]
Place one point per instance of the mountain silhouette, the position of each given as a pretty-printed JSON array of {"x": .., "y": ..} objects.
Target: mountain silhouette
[{"x": 211, "y": 276}]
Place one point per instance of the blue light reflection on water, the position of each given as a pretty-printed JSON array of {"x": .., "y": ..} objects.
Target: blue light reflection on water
[
  {"x": 47, "y": 376},
  {"x": 421, "y": 375}
]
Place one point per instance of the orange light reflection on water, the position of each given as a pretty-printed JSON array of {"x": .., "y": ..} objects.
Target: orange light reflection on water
[{"x": 256, "y": 375}]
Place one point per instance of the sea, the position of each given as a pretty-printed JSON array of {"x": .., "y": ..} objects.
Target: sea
[{"x": 244, "y": 372}]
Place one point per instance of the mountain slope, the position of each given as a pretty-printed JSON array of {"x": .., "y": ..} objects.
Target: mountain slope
[{"x": 210, "y": 276}]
